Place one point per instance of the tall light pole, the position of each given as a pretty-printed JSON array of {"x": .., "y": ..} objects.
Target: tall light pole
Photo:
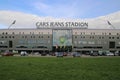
[
  {"x": 9, "y": 28},
  {"x": 109, "y": 23},
  {"x": 12, "y": 24}
]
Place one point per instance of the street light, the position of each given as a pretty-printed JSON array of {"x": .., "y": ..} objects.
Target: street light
[
  {"x": 12, "y": 24},
  {"x": 109, "y": 23},
  {"x": 8, "y": 29}
]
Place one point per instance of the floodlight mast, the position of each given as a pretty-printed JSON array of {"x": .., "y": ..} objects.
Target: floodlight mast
[
  {"x": 110, "y": 24},
  {"x": 12, "y": 24}
]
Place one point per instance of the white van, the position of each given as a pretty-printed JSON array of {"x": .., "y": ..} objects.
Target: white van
[{"x": 24, "y": 53}]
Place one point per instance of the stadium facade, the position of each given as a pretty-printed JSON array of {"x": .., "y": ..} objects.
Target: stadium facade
[{"x": 74, "y": 37}]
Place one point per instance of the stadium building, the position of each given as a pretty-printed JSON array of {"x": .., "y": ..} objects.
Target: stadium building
[{"x": 60, "y": 37}]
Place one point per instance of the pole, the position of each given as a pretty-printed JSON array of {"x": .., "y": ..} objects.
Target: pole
[
  {"x": 12, "y": 24},
  {"x": 109, "y": 23}
]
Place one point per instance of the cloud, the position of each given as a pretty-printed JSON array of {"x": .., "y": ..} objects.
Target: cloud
[
  {"x": 41, "y": 6},
  {"x": 57, "y": 10},
  {"x": 66, "y": 9},
  {"x": 24, "y": 20}
]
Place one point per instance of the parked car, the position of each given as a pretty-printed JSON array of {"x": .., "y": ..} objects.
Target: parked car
[
  {"x": 52, "y": 53},
  {"x": 7, "y": 54},
  {"x": 24, "y": 53},
  {"x": 43, "y": 54},
  {"x": 109, "y": 54},
  {"x": 76, "y": 54},
  {"x": 65, "y": 54},
  {"x": 117, "y": 53},
  {"x": 59, "y": 54},
  {"x": 94, "y": 54},
  {"x": 36, "y": 53},
  {"x": 100, "y": 53}
]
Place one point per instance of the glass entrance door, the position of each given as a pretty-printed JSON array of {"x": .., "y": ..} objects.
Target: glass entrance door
[{"x": 62, "y": 40}]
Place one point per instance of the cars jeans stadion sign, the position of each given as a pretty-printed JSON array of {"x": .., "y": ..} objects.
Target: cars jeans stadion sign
[{"x": 82, "y": 25}]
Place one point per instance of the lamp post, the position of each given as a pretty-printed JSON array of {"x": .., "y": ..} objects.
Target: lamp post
[
  {"x": 9, "y": 28},
  {"x": 12, "y": 24},
  {"x": 108, "y": 23}
]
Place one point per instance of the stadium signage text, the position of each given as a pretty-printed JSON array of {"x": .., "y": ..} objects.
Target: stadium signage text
[{"x": 61, "y": 25}]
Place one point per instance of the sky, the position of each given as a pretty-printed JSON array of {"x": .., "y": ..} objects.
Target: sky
[{"x": 79, "y": 9}]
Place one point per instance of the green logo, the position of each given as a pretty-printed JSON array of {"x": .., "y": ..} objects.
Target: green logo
[{"x": 62, "y": 40}]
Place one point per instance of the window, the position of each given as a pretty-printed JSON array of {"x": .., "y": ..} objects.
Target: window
[
  {"x": 19, "y": 32},
  {"x": 117, "y": 37},
  {"x": 111, "y": 37},
  {"x": 3, "y": 33},
  {"x": 25, "y": 36},
  {"x": 84, "y": 42},
  {"x": 75, "y": 36},
  {"x": 75, "y": 32},
  {"x": 91, "y": 42},
  {"x": 99, "y": 37},
  {"x": 48, "y": 41},
  {"x": 109, "y": 33},
  {"x": 112, "y": 44},
  {"x": 91, "y": 37},
  {"x": 99, "y": 42},
  {"x": 82, "y": 36},
  {"x": 5, "y": 36},
  {"x": 10, "y": 44},
  {"x": 92, "y": 33},
  {"x": 33, "y": 36},
  {"x": 1, "y": 43},
  {"x": 48, "y": 36},
  {"x": 13, "y": 33},
  {"x": 75, "y": 42}
]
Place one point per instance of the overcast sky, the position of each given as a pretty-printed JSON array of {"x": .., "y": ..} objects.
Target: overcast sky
[{"x": 63, "y": 8}]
